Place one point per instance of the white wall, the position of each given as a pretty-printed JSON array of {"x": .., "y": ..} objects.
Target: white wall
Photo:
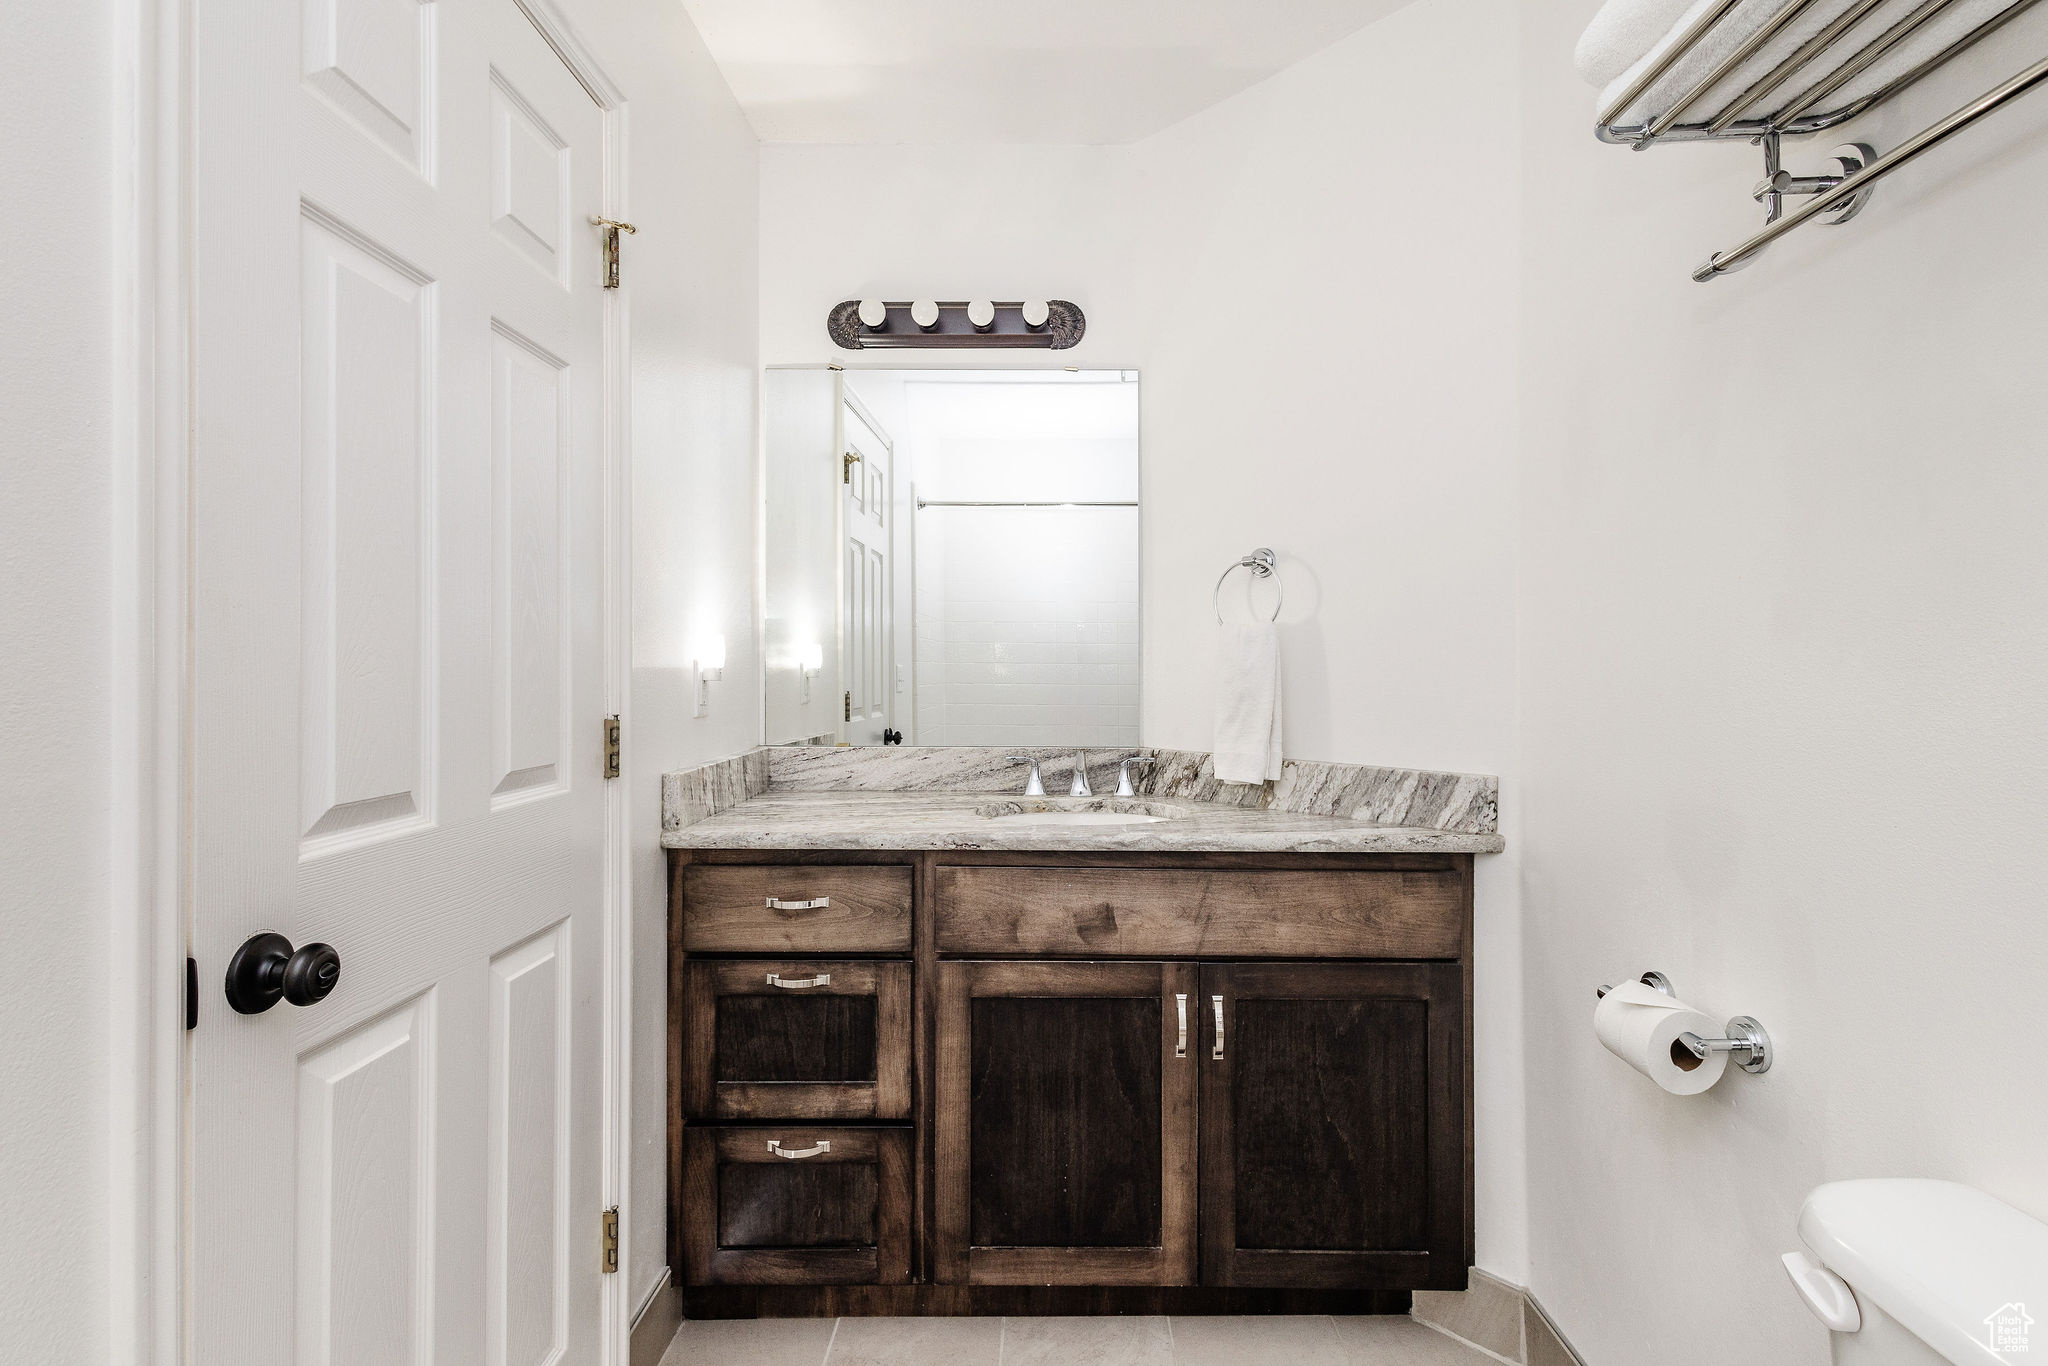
[
  {"x": 980, "y": 222},
  {"x": 695, "y": 490},
  {"x": 1784, "y": 613},
  {"x": 56, "y": 608},
  {"x": 1322, "y": 301}
]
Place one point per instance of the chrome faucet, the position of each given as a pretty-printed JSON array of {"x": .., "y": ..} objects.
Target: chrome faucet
[
  {"x": 1123, "y": 774},
  {"x": 1080, "y": 787},
  {"x": 1035, "y": 786}
]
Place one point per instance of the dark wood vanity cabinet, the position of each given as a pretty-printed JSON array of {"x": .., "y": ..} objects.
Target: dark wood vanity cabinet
[
  {"x": 1065, "y": 1135},
  {"x": 1333, "y": 1133},
  {"x": 967, "y": 1075},
  {"x": 785, "y": 1039},
  {"x": 791, "y": 1205}
]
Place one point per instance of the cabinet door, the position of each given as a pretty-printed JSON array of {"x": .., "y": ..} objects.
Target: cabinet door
[
  {"x": 1333, "y": 1125},
  {"x": 796, "y": 1206},
  {"x": 1065, "y": 1143},
  {"x": 780, "y": 1039}
]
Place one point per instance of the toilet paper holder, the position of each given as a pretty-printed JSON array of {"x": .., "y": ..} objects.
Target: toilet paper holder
[
  {"x": 1654, "y": 980},
  {"x": 1747, "y": 1043}
]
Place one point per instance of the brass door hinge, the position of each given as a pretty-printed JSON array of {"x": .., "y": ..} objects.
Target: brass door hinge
[
  {"x": 611, "y": 746},
  {"x": 611, "y": 228},
  {"x": 847, "y": 714},
  {"x": 846, "y": 464},
  {"x": 611, "y": 1240}
]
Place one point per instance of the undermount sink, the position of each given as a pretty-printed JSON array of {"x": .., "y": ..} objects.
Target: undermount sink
[
  {"x": 1079, "y": 813},
  {"x": 1078, "y": 818}
]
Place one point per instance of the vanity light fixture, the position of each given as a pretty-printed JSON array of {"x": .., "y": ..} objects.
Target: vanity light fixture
[
  {"x": 810, "y": 663},
  {"x": 707, "y": 668},
  {"x": 875, "y": 324}
]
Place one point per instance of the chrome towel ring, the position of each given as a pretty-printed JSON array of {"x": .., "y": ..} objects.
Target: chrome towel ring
[{"x": 1264, "y": 565}]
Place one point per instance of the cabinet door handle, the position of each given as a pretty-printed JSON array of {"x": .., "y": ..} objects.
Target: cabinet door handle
[
  {"x": 1180, "y": 1004},
  {"x": 815, "y": 904},
  {"x": 1217, "y": 1051},
  {"x": 776, "y": 979},
  {"x": 823, "y": 1145}
]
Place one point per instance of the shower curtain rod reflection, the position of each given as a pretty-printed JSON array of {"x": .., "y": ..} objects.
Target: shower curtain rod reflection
[{"x": 942, "y": 503}]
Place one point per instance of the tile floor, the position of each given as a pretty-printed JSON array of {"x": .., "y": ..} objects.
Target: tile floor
[{"x": 1317, "y": 1340}]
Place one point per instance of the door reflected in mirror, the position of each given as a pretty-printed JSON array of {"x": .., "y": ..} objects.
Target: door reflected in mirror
[{"x": 952, "y": 557}]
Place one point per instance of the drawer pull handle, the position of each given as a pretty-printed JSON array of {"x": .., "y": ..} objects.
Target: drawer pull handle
[
  {"x": 815, "y": 904},
  {"x": 823, "y": 1145},
  {"x": 776, "y": 979},
  {"x": 1180, "y": 1004},
  {"x": 1217, "y": 1051}
]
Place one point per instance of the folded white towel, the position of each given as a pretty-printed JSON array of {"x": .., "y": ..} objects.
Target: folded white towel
[
  {"x": 1247, "y": 744},
  {"x": 1621, "y": 33},
  {"x": 1621, "y": 24}
]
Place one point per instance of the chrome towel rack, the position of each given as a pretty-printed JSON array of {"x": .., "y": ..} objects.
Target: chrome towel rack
[
  {"x": 1264, "y": 565},
  {"x": 1803, "y": 94},
  {"x": 1860, "y": 183}
]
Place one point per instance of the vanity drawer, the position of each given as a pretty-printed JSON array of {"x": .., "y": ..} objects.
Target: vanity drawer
[
  {"x": 796, "y": 1206},
  {"x": 796, "y": 909},
  {"x": 1192, "y": 913},
  {"x": 812, "y": 1039}
]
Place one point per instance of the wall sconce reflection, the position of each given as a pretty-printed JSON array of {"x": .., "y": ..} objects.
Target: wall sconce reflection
[
  {"x": 811, "y": 663},
  {"x": 706, "y": 668}
]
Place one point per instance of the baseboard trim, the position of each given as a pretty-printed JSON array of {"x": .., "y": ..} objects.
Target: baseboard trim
[
  {"x": 656, "y": 1322},
  {"x": 1498, "y": 1318},
  {"x": 1542, "y": 1335}
]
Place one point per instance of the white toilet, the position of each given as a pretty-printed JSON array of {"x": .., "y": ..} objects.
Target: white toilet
[{"x": 1917, "y": 1273}]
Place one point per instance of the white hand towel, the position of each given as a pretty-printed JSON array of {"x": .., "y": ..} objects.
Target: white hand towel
[{"x": 1247, "y": 743}]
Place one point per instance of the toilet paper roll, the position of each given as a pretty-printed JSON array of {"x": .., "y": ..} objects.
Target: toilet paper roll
[{"x": 1640, "y": 1025}]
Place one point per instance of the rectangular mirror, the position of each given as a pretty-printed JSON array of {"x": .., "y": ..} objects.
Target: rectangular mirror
[{"x": 951, "y": 557}]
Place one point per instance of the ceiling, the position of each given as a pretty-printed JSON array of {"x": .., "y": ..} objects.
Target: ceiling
[{"x": 1017, "y": 71}]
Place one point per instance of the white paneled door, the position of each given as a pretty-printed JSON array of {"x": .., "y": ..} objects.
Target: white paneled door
[
  {"x": 867, "y": 468},
  {"x": 398, "y": 677}
]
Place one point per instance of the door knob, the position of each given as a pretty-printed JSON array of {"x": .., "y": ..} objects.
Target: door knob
[{"x": 266, "y": 967}]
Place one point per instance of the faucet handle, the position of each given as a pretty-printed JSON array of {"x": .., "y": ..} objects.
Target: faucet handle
[
  {"x": 1035, "y": 786},
  {"x": 1123, "y": 774}
]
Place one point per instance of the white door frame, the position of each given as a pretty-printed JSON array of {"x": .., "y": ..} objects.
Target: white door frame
[{"x": 149, "y": 911}]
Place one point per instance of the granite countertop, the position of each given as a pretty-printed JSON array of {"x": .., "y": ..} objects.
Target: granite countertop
[{"x": 781, "y": 819}]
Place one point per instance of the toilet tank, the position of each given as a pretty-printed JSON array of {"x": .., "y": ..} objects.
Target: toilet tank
[{"x": 1963, "y": 1272}]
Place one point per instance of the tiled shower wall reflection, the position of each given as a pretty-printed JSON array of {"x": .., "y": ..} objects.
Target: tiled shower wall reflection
[{"x": 1027, "y": 626}]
